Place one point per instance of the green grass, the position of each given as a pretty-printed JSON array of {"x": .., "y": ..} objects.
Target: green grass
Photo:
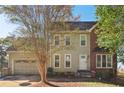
[
  {"x": 8, "y": 84},
  {"x": 97, "y": 84}
]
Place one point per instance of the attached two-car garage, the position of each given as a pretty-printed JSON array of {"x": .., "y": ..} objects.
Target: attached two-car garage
[
  {"x": 22, "y": 62},
  {"x": 25, "y": 67}
]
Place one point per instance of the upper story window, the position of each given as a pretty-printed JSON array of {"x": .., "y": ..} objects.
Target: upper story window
[
  {"x": 67, "y": 40},
  {"x": 56, "y": 40},
  {"x": 67, "y": 60},
  {"x": 57, "y": 60},
  {"x": 103, "y": 61},
  {"x": 83, "y": 40}
]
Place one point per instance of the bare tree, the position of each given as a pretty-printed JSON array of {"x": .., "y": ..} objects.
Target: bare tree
[{"x": 36, "y": 22}]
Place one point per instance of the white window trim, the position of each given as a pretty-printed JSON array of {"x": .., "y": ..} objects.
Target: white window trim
[
  {"x": 65, "y": 40},
  {"x": 59, "y": 39},
  {"x": 106, "y": 61},
  {"x": 65, "y": 61},
  {"x": 59, "y": 60},
  {"x": 85, "y": 41}
]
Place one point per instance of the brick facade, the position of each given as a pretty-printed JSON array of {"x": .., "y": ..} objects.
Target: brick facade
[{"x": 93, "y": 46}]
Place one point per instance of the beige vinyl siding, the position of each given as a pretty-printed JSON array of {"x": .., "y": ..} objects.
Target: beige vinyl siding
[{"x": 74, "y": 49}]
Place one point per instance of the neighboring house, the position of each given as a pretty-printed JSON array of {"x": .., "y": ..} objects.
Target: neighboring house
[
  {"x": 71, "y": 51},
  {"x": 120, "y": 67}
]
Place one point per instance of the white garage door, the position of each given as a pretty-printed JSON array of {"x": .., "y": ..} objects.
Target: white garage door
[{"x": 25, "y": 67}]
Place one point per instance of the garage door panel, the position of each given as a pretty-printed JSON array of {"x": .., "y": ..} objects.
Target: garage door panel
[{"x": 25, "y": 67}]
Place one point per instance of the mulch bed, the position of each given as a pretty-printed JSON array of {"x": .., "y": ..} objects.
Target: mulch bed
[
  {"x": 39, "y": 84},
  {"x": 42, "y": 84},
  {"x": 58, "y": 84}
]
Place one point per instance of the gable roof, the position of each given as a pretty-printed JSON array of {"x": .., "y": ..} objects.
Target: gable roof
[
  {"x": 86, "y": 25},
  {"x": 72, "y": 25},
  {"x": 11, "y": 48}
]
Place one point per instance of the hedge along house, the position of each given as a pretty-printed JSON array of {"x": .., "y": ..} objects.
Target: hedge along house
[{"x": 74, "y": 50}]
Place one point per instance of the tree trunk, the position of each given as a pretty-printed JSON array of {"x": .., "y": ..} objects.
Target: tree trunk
[
  {"x": 42, "y": 71},
  {"x": 115, "y": 65},
  {"x": 44, "y": 77}
]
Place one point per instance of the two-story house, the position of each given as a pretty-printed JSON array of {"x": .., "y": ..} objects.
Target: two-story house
[{"x": 71, "y": 51}]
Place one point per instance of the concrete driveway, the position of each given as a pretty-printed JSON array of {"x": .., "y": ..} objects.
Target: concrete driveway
[{"x": 18, "y": 80}]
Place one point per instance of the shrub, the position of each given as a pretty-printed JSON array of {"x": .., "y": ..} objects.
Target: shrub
[
  {"x": 104, "y": 75},
  {"x": 50, "y": 71},
  {"x": 69, "y": 74}
]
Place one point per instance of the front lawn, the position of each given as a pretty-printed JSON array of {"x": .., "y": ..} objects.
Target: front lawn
[
  {"x": 33, "y": 81},
  {"x": 83, "y": 82},
  {"x": 61, "y": 84},
  {"x": 9, "y": 84}
]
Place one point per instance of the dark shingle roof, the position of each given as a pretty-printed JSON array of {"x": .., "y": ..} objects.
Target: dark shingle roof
[
  {"x": 72, "y": 25},
  {"x": 82, "y": 25}
]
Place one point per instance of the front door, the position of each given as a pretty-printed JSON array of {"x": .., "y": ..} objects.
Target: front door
[{"x": 83, "y": 62}]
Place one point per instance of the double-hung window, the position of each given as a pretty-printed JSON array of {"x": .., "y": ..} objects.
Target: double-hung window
[
  {"x": 57, "y": 61},
  {"x": 67, "y": 40},
  {"x": 67, "y": 60},
  {"x": 104, "y": 61},
  {"x": 56, "y": 40},
  {"x": 83, "y": 40}
]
